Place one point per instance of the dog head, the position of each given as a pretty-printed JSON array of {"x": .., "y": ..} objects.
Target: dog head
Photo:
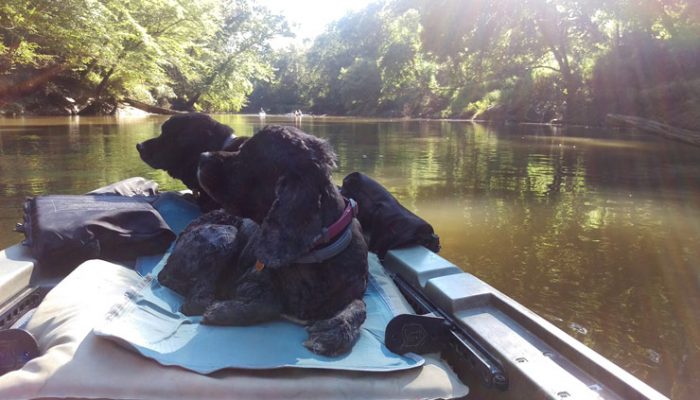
[
  {"x": 183, "y": 138},
  {"x": 278, "y": 178}
]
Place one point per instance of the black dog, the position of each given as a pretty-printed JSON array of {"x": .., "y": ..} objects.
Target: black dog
[
  {"x": 281, "y": 179},
  {"x": 183, "y": 138}
]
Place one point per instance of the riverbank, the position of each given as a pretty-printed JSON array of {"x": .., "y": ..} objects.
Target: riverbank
[{"x": 679, "y": 119}]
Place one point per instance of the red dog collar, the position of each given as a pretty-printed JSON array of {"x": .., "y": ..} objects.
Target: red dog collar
[
  {"x": 330, "y": 233},
  {"x": 337, "y": 230}
]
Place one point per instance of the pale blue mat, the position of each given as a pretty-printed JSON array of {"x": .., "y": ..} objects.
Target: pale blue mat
[{"x": 149, "y": 322}]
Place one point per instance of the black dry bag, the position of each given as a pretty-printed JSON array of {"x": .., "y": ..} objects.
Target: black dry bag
[
  {"x": 388, "y": 224},
  {"x": 64, "y": 228}
]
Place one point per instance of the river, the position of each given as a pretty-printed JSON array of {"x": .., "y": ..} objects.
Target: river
[{"x": 596, "y": 230}]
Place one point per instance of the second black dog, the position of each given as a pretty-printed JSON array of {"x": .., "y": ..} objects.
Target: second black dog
[{"x": 182, "y": 140}]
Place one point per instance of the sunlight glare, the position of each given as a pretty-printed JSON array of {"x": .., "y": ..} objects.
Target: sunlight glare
[{"x": 308, "y": 18}]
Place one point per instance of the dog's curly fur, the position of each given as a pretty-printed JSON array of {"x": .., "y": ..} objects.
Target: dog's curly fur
[
  {"x": 183, "y": 138},
  {"x": 205, "y": 259},
  {"x": 281, "y": 179}
]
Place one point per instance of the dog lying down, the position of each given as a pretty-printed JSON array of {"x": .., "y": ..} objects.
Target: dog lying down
[
  {"x": 306, "y": 260},
  {"x": 183, "y": 138}
]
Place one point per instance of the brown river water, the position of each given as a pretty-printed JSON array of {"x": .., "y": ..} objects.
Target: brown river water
[{"x": 596, "y": 230}]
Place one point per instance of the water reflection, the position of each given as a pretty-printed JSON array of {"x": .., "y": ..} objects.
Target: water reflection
[{"x": 597, "y": 231}]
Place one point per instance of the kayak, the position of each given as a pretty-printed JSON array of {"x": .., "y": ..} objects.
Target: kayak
[{"x": 492, "y": 345}]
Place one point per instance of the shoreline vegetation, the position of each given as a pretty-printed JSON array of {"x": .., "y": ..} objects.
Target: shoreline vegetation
[{"x": 569, "y": 62}]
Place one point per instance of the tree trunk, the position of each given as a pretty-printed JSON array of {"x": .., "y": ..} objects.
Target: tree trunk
[
  {"x": 656, "y": 127},
  {"x": 98, "y": 106},
  {"x": 180, "y": 104},
  {"x": 103, "y": 84},
  {"x": 555, "y": 35},
  {"x": 190, "y": 103},
  {"x": 573, "y": 106},
  {"x": 149, "y": 108},
  {"x": 88, "y": 68}
]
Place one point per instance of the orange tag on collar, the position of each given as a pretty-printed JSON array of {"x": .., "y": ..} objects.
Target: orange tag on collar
[{"x": 259, "y": 266}]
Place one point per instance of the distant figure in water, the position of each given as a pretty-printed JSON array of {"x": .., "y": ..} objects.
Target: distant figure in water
[{"x": 262, "y": 113}]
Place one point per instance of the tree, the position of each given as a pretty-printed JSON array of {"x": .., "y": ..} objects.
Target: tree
[
  {"x": 651, "y": 66},
  {"x": 408, "y": 75},
  {"x": 356, "y": 36},
  {"x": 288, "y": 89},
  {"x": 40, "y": 40},
  {"x": 204, "y": 52},
  {"x": 221, "y": 67},
  {"x": 513, "y": 37},
  {"x": 371, "y": 62}
]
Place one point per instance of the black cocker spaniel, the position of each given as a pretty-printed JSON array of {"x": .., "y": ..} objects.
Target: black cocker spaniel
[{"x": 308, "y": 261}]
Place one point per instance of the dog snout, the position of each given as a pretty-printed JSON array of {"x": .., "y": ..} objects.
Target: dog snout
[{"x": 141, "y": 147}]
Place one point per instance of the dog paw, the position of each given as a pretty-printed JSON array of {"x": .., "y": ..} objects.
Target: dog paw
[
  {"x": 239, "y": 313},
  {"x": 335, "y": 336},
  {"x": 194, "y": 307},
  {"x": 332, "y": 342},
  {"x": 221, "y": 313}
]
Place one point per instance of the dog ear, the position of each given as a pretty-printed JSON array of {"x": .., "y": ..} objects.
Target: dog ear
[{"x": 292, "y": 223}]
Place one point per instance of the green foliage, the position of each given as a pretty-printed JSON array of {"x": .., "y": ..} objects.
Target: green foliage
[
  {"x": 530, "y": 60},
  {"x": 229, "y": 58},
  {"x": 482, "y": 105},
  {"x": 360, "y": 86},
  {"x": 204, "y": 53},
  {"x": 643, "y": 75},
  {"x": 368, "y": 62},
  {"x": 357, "y": 36},
  {"x": 286, "y": 90}
]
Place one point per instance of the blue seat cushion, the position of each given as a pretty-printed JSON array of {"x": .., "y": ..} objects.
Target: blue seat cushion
[{"x": 149, "y": 322}]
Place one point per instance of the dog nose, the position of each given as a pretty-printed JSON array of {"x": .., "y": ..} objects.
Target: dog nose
[{"x": 139, "y": 147}]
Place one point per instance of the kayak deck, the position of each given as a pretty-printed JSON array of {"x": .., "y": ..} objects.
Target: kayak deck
[{"x": 540, "y": 360}]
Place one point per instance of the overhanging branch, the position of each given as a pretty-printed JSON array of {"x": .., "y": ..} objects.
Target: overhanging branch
[{"x": 545, "y": 67}]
